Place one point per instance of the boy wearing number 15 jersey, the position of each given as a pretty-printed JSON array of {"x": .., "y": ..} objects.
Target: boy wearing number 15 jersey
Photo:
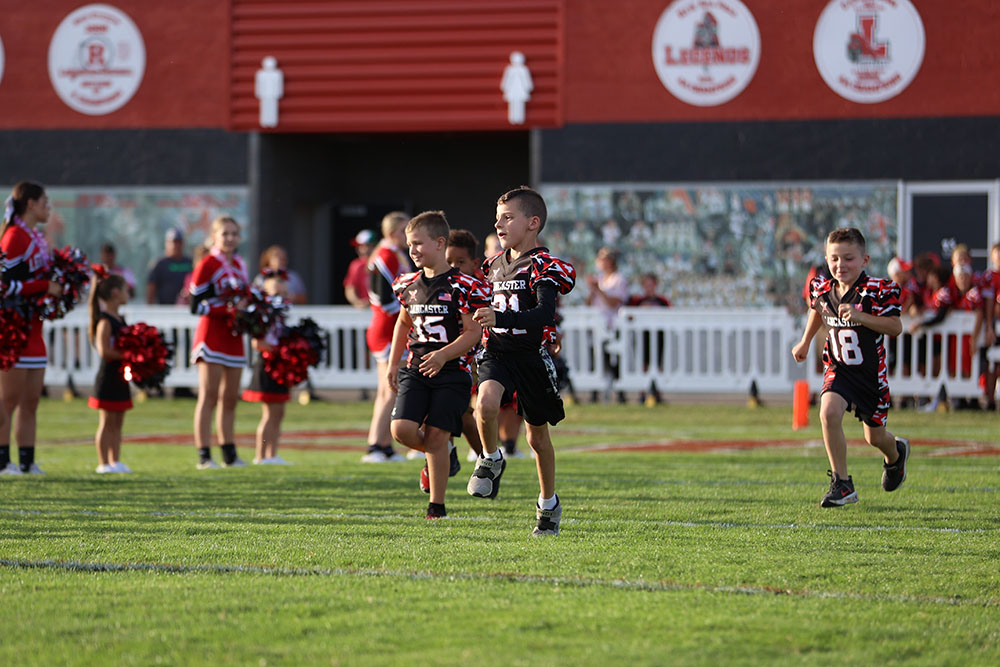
[
  {"x": 436, "y": 327},
  {"x": 858, "y": 312}
]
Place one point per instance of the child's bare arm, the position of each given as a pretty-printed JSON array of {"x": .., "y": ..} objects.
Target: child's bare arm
[
  {"x": 813, "y": 325},
  {"x": 102, "y": 341},
  {"x": 399, "y": 334},
  {"x": 432, "y": 362},
  {"x": 889, "y": 325}
]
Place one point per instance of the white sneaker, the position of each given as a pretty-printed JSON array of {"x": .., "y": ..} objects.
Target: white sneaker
[
  {"x": 11, "y": 469},
  {"x": 35, "y": 470},
  {"x": 415, "y": 454},
  {"x": 237, "y": 463},
  {"x": 377, "y": 456},
  {"x": 104, "y": 469},
  {"x": 516, "y": 454},
  {"x": 120, "y": 467},
  {"x": 278, "y": 461},
  {"x": 208, "y": 465},
  {"x": 471, "y": 457}
]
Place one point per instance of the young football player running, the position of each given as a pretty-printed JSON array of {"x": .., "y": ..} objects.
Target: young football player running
[
  {"x": 525, "y": 279},
  {"x": 436, "y": 326},
  {"x": 858, "y": 311}
]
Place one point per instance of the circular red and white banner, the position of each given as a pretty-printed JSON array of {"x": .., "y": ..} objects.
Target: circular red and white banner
[
  {"x": 706, "y": 51},
  {"x": 97, "y": 59},
  {"x": 868, "y": 51}
]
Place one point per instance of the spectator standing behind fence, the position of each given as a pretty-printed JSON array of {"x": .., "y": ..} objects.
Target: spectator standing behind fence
[
  {"x": 198, "y": 254},
  {"x": 608, "y": 293},
  {"x": 356, "y": 280},
  {"x": 858, "y": 313},
  {"x": 109, "y": 258},
  {"x": 990, "y": 288},
  {"x": 218, "y": 350},
  {"x": 650, "y": 298},
  {"x": 167, "y": 277},
  {"x": 388, "y": 261},
  {"x": 275, "y": 258}
]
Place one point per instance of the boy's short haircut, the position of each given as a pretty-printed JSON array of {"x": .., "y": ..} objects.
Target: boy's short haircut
[
  {"x": 924, "y": 262},
  {"x": 393, "y": 221},
  {"x": 463, "y": 238},
  {"x": 432, "y": 222},
  {"x": 531, "y": 203},
  {"x": 847, "y": 235}
]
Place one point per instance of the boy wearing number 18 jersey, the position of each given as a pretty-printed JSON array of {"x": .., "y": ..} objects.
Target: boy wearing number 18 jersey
[
  {"x": 436, "y": 327},
  {"x": 525, "y": 280},
  {"x": 858, "y": 312}
]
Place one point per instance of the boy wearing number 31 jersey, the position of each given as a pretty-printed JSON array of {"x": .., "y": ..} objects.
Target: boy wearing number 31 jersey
[
  {"x": 858, "y": 312},
  {"x": 525, "y": 279}
]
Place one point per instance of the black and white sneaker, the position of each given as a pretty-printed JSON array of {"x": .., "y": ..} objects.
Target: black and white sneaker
[
  {"x": 894, "y": 474},
  {"x": 454, "y": 466},
  {"x": 485, "y": 480},
  {"x": 547, "y": 521},
  {"x": 841, "y": 492}
]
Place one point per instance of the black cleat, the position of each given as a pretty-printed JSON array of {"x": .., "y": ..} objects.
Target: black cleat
[
  {"x": 841, "y": 492},
  {"x": 894, "y": 474}
]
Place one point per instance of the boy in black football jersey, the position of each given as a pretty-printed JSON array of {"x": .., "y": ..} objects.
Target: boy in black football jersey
[
  {"x": 525, "y": 279},
  {"x": 857, "y": 311},
  {"x": 436, "y": 325}
]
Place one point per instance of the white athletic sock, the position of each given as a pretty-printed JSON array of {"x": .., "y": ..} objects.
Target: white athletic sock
[
  {"x": 547, "y": 503},
  {"x": 451, "y": 446},
  {"x": 495, "y": 456}
]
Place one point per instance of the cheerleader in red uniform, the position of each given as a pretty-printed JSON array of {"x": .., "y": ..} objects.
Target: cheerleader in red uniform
[
  {"x": 112, "y": 396},
  {"x": 388, "y": 261},
  {"x": 218, "y": 350},
  {"x": 264, "y": 389},
  {"x": 25, "y": 270}
]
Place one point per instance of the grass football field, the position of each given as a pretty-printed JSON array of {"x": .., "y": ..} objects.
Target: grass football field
[{"x": 704, "y": 546}]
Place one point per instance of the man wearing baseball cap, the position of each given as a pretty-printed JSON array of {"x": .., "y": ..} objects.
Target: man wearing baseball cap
[
  {"x": 166, "y": 278},
  {"x": 356, "y": 280}
]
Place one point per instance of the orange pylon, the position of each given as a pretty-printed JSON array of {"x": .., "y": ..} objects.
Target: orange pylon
[{"x": 800, "y": 404}]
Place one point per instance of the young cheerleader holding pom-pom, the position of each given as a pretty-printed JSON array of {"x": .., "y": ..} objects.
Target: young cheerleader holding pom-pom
[
  {"x": 271, "y": 395},
  {"x": 112, "y": 396}
]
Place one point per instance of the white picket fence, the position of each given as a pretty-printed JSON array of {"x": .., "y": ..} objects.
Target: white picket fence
[{"x": 683, "y": 350}]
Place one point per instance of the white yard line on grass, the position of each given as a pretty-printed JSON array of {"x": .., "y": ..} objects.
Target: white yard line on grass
[
  {"x": 268, "y": 514},
  {"x": 661, "y": 586}
]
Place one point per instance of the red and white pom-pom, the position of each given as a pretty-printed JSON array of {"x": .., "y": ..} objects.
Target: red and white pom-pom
[
  {"x": 288, "y": 363},
  {"x": 13, "y": 337},
  {"x": 70, "y": 270},
  {"x": 145, "y": 355}
]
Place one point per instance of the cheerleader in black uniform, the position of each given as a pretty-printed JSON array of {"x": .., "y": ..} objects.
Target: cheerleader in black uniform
[
  {"x": 112, "y": 396},
  {"x": 263, "y": 389}
]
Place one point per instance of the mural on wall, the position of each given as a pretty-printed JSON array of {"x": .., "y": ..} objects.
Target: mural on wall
[
  {"x": 135, "y": 220},
  {"x": 869, "y": 51},
  {"x": 730, "y": 245},
  {"x": 97, "y": 59}
]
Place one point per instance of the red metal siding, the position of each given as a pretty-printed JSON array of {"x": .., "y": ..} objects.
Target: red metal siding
[{"x": 388, "y": 65}]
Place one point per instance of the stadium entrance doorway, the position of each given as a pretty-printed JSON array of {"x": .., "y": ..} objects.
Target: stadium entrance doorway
[{"x": 937, "y": 216}]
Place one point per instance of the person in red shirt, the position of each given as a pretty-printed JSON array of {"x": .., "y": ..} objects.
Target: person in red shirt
[
  {"x": 218, "y": 350},
  {"x": 387, "y": 262},
  {"x": 356, "y": 280},
  {"x": 25, "y": 270}
]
